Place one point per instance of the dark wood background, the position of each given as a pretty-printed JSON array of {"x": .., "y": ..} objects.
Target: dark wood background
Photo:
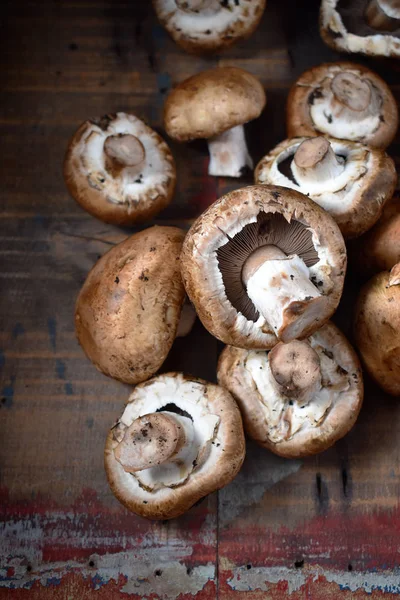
[{"x": 320, "y": 528}]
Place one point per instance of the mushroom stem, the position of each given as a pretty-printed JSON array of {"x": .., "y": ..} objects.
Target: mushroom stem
[
  {"x": 187, "y": 319},
  {"x": 394, "y": 276},
  {"x": 315, "y": 161},
  {"x": 124, "y": 155},
  {"x": 383, "y": 15},
  {"x": 229, "y": 155},
  {"x": 353, "y": 98},
  {"x": 296, "y": 370},
  {"x": 152, "y": 440},
  {"x": 280, "y": 289},
  {"x": 197, "y": 6}
]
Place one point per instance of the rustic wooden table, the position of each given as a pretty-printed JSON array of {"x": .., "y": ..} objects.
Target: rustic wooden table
[{"x": 325, "y": 527}]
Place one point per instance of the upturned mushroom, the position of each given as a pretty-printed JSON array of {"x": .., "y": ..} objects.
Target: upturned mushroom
[
  {"x": 262, "y": 264},
  {"x": 119, "y": 170},
  {"x": 214, "y": 105},
  {"x": 343, "y": 100},
  {"x": 349, "y": 180},
  {"x": 209, "y": 26},
  {"x": 178, "y": 440},
  {"x": 299, "y": 398},
  {"x": 365, "y": 26},
  {"x": 129, "y": 310},
  {"x": 377, "y": 329}
]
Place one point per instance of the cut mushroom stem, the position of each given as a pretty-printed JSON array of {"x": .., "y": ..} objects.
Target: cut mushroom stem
[
  {"x": 196, "y": 6},
  {"x": 296, "y": 370},
  {"x": 125, "y": 154},
  {"x": 280, "y": 289},
  {"x": 152, "y": 440},
  {"x": 229, "y": 155},
  {"x": 383, "y": 15},
  {"x": 394, "y": 277},
  {"x": 353, "y": 98},
  {"x": 187, "y": 319},
  {"x": 315, "y": 161}
]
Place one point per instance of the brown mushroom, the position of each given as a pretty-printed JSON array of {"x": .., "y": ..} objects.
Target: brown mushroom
[
  {"x": 119, "y": 170},
  {"x": 343, "y": 100},
  {"x": 214, "y": 105},
  {"x": 349, "y": 180},
  {"x": 377, "y": 329},
  {"x": 209, "y": 26},
  {"x": 299, "y": 398},
  {"x": 263, "y": 263},
  {"x": 178, "y": 440}
]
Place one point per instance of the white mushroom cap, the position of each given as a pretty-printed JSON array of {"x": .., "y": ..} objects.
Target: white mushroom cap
[
  {"x": 119, "y": 169},
  {"x": 158, "y": 468},
  {"x": 299, "y": 398},
  {"x": 349, "y": 180},
  {"x": 205, "y": 26}
]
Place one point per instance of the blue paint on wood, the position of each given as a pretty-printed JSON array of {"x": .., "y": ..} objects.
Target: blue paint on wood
[
  {"x": 52, "y": 329},
  {"x": 89, "y": 422},
  {"x": 68, "y": 388},
  {"x": 18, "y": 329},
  {"x": 8, "y": 393},
  {"x": 60, "y": 368}
]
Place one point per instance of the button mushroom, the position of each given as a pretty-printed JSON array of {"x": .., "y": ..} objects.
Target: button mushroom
[
  {"x": 377, "y": 329},
  {"x": 366, "y": 26},
  {"x": 128, "y": 311},
  {"x": 214, "y": 105},
  {"x": 261, "y": 263},
  {"x": 178, "y": 440},
  {"x": 349, "y": 180},
  {"x": 209, "y": 26},
  {"x": 343, "y": 100},
  {"x": 299, "y": 398},
  {"x": 119, "y": 170}
]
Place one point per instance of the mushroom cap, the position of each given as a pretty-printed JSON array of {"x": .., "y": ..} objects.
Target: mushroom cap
[
  {"x": 377, "y": 331},
  {"x": 356, "y": 207},
  {"x": 212, "y": 102},
  {"x": 312, "y": 428},
  {"x": 341, "y": 38},
  {"x": 208, "y": 31},
  {"x": 128, "y": 310},
  {"x": 116, "y": 199},
  {"x": 223, "y": 221},
  {"x": 307, "y": 89},
  {"x": 221, "y": 454}
]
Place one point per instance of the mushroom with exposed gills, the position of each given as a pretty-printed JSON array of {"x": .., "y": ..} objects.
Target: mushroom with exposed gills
[
  {"x": 214, "y": 105},
  {"x": 119, "y": 170},
  {"x": 178, "y": 440},
  {"x": 263, "y": 264},
  {"x": 343, "y": 100},
  {"x": 209, "y": 26},
  {"x": 383, "y": 15},
  {"x": 299, "y": 398},
  {"x": 349, "y": 180}
]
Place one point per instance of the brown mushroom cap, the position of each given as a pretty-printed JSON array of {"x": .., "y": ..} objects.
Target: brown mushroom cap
[
  {"x": 209, "y": 30},
  {"x": 119, "y": 170},
  {"x": 128, "y": 310},
  {"x": 278, "y": 421},
  {"x": 217, "y": 428},
  {"x": 377, "y": 329},
  {"x": 223, "y": 237},
  {"x": 313, "y": 85},
  {"x": 212, "y": 102}
]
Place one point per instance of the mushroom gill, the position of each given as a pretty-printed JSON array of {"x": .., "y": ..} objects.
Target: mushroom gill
[{"x": 358, "y": 18}]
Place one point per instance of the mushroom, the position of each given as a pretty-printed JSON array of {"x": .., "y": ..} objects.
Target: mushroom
[
  {"x": 379, "y": 249},
  {"x": 366, "y": 26},
  {"x": 128, "y": 311},
  {"x": 349, "y": 180},
  {"x": 377, "y": 329},
  {"x": 299, "y": 398},
  {"x": 209, "y": 26},
  {"x": 178, "y": 440},
  {"x": 343, "y": 100},
  {"x": 262, "y": 264},
  {"x": 119, "y": 170},
  {"x": 214, "y": 105}
]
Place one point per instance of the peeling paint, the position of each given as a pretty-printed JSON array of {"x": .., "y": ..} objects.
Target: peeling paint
[{"x": 258, "y": 578}]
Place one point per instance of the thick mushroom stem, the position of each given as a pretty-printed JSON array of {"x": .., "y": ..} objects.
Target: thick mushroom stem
[
  {"x": 383, "y": 15},
  {"x": 315, "y": 162},
  {"x": 296, "y": 370},
  {"x": 187, "y": 319},
  {"x": 353, "y": 98},
  {"x": 229, "y": 155},
  {"x": 124, "y": 155},
  {"x": 394, "y": 276},
  {"x": 197, "y": 6},
  {"x": 280, "y": 289},
  {"x": 152, "y": 440}
]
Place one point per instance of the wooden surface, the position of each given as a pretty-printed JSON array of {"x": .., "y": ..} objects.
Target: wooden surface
[{"x": 320, "y": 528}]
